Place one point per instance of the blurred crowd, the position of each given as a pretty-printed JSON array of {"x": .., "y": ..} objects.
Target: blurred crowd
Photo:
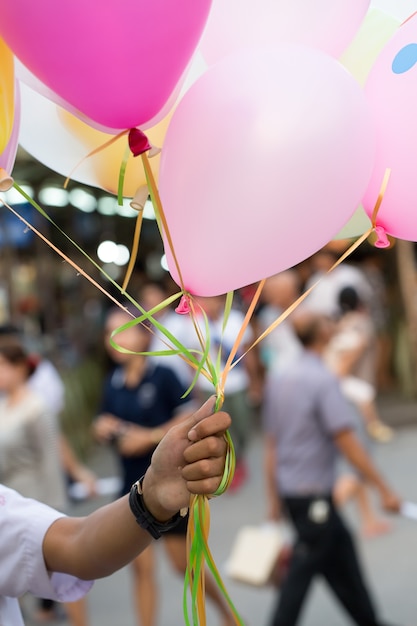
[{"x": 310, "y": 386}]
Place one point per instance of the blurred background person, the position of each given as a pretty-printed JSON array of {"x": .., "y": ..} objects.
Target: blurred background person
[
  {"x": 372, "y": 265},
  {"x": 324, "y": 297},
  {"x": 141, "y": 401},
  {"x": 308, "y": 423},
  {"x": 281, "y": 345},
  {"x": 29, "y": 447},
  {"x": 151, "y": 294},
  {"x": 46, "y": 382},
  {"x": 352, "y": 355},
  {"x": 243, "y": 389}
]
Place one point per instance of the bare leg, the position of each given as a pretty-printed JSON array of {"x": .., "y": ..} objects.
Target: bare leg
[
  {"x": 375, "y": 426},
  {"x": 175, "y": 546},
  {"x": 77, "y": 612},
  {"x": 145, "y": 588}
]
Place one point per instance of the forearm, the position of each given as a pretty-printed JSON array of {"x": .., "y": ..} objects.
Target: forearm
[
  {"x": 271, "y": 487},
  {"x": 355, "y": 453},
  {"x": 76, "y": 470},
  {"x": 190, "y": 459},
  {"x": 347, "y": 361},
  {"x": 97, "y": 545}
]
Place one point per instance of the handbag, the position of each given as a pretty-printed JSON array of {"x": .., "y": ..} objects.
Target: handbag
[{"x": 257, "y": 554}]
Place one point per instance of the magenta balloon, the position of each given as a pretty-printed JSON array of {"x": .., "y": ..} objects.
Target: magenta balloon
[
  {"x": 117, "y": 62},
  {"x": 328, "y": 25},
  {"x": 266, "y": 157},
  {"x": 391, "y": 89},
  {"x": 8, "y": 156}
]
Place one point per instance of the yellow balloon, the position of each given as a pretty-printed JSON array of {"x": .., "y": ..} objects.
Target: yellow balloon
[
  {"x": 358, "y": 224},
  {"x": 6, "y": 94},
  {"x": 376, "y": 30},
  {"x": 106, "y": 162}
]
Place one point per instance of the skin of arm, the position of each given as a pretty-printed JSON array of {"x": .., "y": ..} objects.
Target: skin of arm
[
  {"x": 135, "y": 440},
  {"x": 351, "y": 448},
  {"x": 73, "y": 466},
  {"x": 255, "y": 372},
  {"x": 348, "y": 359},
  {"x": 189, "y": 460},
  {"x": 273, "y": 501}
]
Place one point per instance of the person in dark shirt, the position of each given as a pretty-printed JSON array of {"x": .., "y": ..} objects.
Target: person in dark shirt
[{"x": 141, "y": 401}]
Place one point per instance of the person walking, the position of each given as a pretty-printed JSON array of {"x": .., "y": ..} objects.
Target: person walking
[{"x": 307, "y": 424}]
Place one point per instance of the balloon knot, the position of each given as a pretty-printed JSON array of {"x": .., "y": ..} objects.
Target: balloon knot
[
  {"x": 6, "y": 181},
  {"x": 139, "y": 199},
  {"x": 382, "y": 240},
  {"x": 138, "y": 142},
  {"x": 184, "y": 306}
]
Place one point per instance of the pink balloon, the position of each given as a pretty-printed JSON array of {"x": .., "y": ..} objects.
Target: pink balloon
[
  {"x": 392, "y": 94},
  {"x": 266, "y": 157},
  {"x": 8, "y": 156},
  {"x": 34, "y": 84},
  {"x": 117, "y": 62},
  {"x": 329, "y": 25}
]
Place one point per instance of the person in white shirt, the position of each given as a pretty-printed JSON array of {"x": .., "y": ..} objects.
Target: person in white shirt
[{"x": 324, "y": 298}]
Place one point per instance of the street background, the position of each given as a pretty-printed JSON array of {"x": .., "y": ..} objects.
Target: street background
[{"x": 390, "y": 560}]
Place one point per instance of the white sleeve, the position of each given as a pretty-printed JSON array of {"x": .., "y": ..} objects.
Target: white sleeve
[{"x": 23, "y": 525}]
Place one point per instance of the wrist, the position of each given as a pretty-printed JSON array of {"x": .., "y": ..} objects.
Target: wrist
[
  {"x": 152, "y": 502},
  {"x": 145, "y": 516},
  {"x": 156, "y": 435},
  {"x": 384, "y": 490}
]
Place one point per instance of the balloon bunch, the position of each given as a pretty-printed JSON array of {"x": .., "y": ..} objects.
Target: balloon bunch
[
  {"x": 268, "y": 142},
  {"x": 276, "y": 120}
]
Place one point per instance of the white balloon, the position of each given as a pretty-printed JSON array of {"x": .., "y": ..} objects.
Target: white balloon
[
  {"x": 46, "y": 138},
  {"x": 328, "y": 25},
  {"x": 402, "y": 9}
]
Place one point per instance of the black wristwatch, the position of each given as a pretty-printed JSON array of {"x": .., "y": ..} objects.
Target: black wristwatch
[{"x": 145, "y": 519}]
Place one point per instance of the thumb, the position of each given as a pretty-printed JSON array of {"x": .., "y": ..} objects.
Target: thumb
[
  {"x": 207, "y": 422},
  {"x": 189, "y": 425},
  {"x": 202, "y": 413}
]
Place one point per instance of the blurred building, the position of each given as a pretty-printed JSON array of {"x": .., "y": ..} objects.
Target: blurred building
[{"x": 42, "y": 292}]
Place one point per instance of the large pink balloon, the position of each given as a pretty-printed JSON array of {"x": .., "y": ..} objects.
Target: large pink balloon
[
  {"x": 329, "y": 25},
  {"x": 391, "y": 89},
  {"x": 266, "y": 157},
  {"x": 117, "y": 62}
]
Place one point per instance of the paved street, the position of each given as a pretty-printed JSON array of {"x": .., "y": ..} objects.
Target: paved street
[{"x": 391, "y": 560}]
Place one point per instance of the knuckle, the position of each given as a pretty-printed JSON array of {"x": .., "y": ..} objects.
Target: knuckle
[
  {"x": 206, "y": 467},
  {"x": 212, "y": 446}
]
